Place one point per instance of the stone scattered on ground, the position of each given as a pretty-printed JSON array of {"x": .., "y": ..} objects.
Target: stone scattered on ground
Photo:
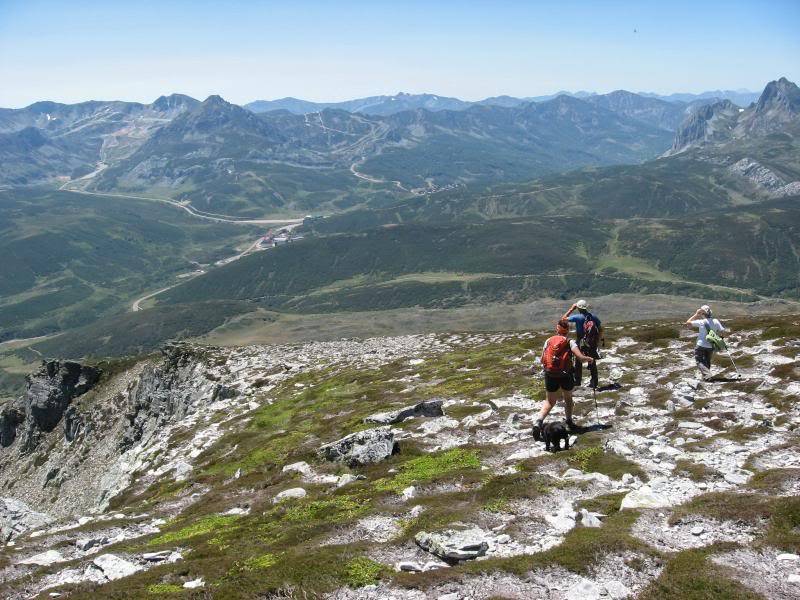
[
  {"x": 427, "y": 408},
  {"x": 454, "y": 544},
  {"x": 361, "y": 448}
]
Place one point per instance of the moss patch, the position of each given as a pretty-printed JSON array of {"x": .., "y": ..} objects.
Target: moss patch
[{"x": 430, "y": 467}]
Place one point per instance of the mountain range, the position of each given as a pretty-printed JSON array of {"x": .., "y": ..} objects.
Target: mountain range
[{"x": 390, "y": 104}]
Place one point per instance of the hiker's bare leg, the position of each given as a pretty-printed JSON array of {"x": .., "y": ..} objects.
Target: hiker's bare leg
[
  {"x": 567, "y": 395},
  {"x": 548, "y": 404}
]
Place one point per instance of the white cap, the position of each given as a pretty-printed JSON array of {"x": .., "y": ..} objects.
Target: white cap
[
  {"x": 582, "y": 305},
  {"x": 706, "y": 309}
]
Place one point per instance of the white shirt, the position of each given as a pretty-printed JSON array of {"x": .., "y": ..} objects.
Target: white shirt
[{"x": 703, "y": 326}]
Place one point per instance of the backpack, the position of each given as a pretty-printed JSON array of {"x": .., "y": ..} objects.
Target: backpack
[
  {"x": 591, "y": 335},
  {"x": 715, "y": 339},
  {"x": 557, "y": 356}
]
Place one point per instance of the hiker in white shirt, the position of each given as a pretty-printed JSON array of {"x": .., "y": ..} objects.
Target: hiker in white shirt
[{"x": 704, "y": 321}]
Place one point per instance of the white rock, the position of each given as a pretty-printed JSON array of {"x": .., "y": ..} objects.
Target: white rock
[
  {"x": 503, "y": 538},
  {"x": 627, "y": 478},
  {"x": 408, "y": 566},
  {"x": 114, "y": 567},
  {"x": 409, "y": 493},
  {"x": 697, "y": 530},
  {"x": 589, "y": 519},
  {"x": 737, "y": 477},
  {"x": 569, "y": 473},
  {"x": 156, "y": 556},
  {"x": 301, "y": 467},
  {"x": 416, "y": 511},
  {"x": 345, "y": 479},
  {"x": 450, "y": 596},
  {"x": 295, "y": 493},
  {"x": 788, "y": 557},
  {"x": 793, "y": 578},
  {"x": 644, "y": 497},
  {"x": 194, "y": 584},
  {"x": 182, "y": 470},
  {"x": 43, "y": 559},
  {"x": 616, "y": 590},
  {"x": 583, "y": 590}
]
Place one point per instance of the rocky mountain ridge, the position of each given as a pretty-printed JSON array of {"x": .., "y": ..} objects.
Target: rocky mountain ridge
[
  {"x": 776, "y": 111},
  {"x": 405, "y": 468}
]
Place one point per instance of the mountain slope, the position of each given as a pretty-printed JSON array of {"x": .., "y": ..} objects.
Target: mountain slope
[{"x": 670, "y": 484}]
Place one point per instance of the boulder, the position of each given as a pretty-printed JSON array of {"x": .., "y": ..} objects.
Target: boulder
[
  {"x": 454, "y": 544},
  {"x": 616, "y": 590},
  {"x": 85, "y": 544},
  {"x": 194, "y": 583},
  {"x": 427, "y": 408},
  {"x": 361, "y": 448},
  {"x": 644, "y": 497},
  {"x": 294, "y": 493},
  {"x": 44, "y": 559},
  {"x": 115, "y": 567},
  {"x": 16, "y": 518},
  {"x": 590, "y": 519}
]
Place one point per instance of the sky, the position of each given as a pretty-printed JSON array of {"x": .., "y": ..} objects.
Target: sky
[{"x": 73, "y": 50}]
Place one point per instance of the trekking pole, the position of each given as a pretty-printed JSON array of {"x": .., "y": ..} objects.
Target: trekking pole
[
  {"x": 596, "y": 412},
  {"x": 730, "y": 355}
]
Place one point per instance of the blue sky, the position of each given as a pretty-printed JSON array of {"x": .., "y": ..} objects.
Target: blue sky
[{"x": 75, "y": 50}]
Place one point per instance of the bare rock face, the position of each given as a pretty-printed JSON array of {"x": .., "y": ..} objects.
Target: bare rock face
[
  {"x": 361, "y": 448},
  {"x": 16, "y": 518},
  {"x": 48, "y": 394},
  {"x": 427, "y": 408}
]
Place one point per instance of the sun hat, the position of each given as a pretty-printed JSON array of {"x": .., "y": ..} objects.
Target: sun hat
[{"x": 582, "y": 305}]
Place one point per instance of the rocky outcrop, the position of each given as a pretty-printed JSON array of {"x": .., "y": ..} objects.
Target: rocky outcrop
[
  {"x": 454, "y": 544},
  {"x": 427, "y": 408},
  {"x": 708, "y": 123},
  {"x": 778, "y": 105},
  {"x": 49, "y": 392},
  {"x": 764, "y": 178},
  {"x": 361, "y": 448},
  {"x": 16, "y": 518}
]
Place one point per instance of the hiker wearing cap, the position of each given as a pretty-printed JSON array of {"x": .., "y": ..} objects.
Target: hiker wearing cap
[
  {"x": 705, "y": 322},
  {"x": 588, "y": 334},
  {"x": 558, "y": 371}
]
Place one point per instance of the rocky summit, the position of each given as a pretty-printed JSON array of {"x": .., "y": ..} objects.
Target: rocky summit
[{"x": 405, "y": 468}]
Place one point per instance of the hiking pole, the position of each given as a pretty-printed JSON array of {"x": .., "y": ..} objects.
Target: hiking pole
[
  {"x": 730, "y": 355},
  {"x": 596, "y": 412}
]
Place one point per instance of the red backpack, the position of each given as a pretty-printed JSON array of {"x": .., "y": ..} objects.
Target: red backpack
[
  {"x": 591, "y": 335},
  {"x": 557, "y": 356}
]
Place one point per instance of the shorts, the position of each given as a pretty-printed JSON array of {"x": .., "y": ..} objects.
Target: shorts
[{"x": 552, "y": 383}]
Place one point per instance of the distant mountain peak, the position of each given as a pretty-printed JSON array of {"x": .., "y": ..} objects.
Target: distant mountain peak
[{"x": 779, "y": 94}]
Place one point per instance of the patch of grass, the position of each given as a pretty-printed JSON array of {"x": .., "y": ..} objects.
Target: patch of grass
[
  {"x": 264, "y": 561},
  {"x": 430, "y": 467},
  {"x": 337, "y": 508},
  {"x": 772, "y": 479},
  {"x": 694, "y": 470},
  {"x": 690, "y": 576},
  {"x": 362, "y": 571},
  {"x": 583, "y": 456},
  {"x": 204, "y": 526},
  {"x": 159, "y": 589},
  {"x": 592, "y": 459},
  {"x": 654, "y": 333},
  {"x": 726, "y": 506},
  {"x": 783, "y": 531}
]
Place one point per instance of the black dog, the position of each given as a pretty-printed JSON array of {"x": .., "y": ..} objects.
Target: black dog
[{"x": 552, "y": 434}]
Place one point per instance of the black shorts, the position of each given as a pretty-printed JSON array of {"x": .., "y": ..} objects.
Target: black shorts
[{"x": 553, "y": 383}]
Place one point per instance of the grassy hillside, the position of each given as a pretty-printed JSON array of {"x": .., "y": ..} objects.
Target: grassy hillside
[{"x": 69, "y": 259}]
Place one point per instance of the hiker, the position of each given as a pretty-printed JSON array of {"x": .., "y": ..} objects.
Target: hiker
[
  {"x": 704, "y": 321},
  {"x": 558, "y": 371},
  {"x": 589, "y": 335}
]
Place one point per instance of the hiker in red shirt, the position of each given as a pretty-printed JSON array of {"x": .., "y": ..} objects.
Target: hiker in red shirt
[{"x": 558, "y": 371}]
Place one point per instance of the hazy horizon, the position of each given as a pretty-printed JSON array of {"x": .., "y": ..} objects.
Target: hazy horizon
[{"x": 326, "y": 52}]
